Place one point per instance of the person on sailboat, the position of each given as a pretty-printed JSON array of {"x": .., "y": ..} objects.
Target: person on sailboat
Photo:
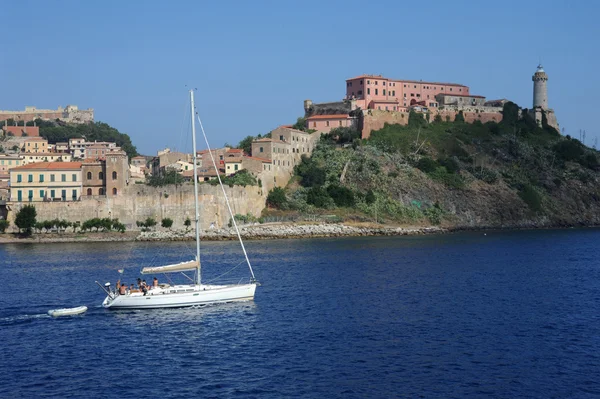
[
  {"x": 123, "y": 289},
  {"x": 155, "y": 283}
]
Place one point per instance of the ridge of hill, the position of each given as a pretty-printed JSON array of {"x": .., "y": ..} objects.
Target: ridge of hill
[{"x": 508, "y": 174}]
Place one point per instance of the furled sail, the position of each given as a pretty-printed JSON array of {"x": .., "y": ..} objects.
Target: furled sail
[{"x": 178, "y": 267}]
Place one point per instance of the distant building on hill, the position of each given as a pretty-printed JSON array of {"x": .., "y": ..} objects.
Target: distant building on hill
[{"x": 70, "y": 114}]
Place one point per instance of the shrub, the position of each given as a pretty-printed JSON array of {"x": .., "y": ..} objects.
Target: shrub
[
  {"x": 312, "y": 175},
  {"x": 434, "y": 213},
  {"x": 187, "y": 223},
  {"x": 451, "y": 164},
  {"x": 569, "y": 150},
  {"x": 460, "y": 117},
  {"x": 370, "y": 197},
  {"x": 342, "y": 196},
  {"x": 531, "y": 197},
  {"x": 437, "y": 118},
  {"x": 452, "y": 180},
  {"x": 169, "y": 177},
  {"x": 241, "y": 178},
  {"x": 318, "y": 197},
  {"x": 166, "y": 223},
  {"x": 427, "y": 165},
  {"x": 4, "y": 225},
  {"x": 277, "y": 198}
]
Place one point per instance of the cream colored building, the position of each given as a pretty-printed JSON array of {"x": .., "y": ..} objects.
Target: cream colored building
[
  {"x": 36, "y": 145},
  {"x": 34, "y": 157},
  {"x": 46, "y": 181},
  {"x": 7, "y": 162}
]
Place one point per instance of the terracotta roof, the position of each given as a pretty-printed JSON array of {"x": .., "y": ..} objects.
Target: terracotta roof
[
  {"x": 233, "y": 159},
  {"x": 50, "y": 165},
  {"x": 339, "y": 116},
  {"x": 235, "y": 150},
  {"x": 259, "y": 159},
  {"x": 264, "y": 139},
  {"x": 459, "y": 95},
  {"x": 404, "y": 81},
  {"x": 287, "y": 126}
]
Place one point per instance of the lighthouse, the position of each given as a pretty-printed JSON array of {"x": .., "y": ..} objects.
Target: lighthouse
[{"x": 540, "y": 89}]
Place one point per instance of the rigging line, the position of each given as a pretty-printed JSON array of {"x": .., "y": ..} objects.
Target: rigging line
[
  {"x": 225, "y": 194},
  {"x": 182, "y": 140},
  {"x": 228, "y": 271}
]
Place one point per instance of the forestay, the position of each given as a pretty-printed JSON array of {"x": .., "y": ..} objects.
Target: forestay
[{"x": 178, "y": 267}]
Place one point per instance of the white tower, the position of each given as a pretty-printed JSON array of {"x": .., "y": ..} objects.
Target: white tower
[{"x": 540, "y": 90}]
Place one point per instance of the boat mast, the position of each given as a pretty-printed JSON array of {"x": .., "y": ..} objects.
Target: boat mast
[{"x": 197, "y": 206}]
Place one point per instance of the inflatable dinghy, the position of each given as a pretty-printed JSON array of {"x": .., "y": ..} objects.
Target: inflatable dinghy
[{"x": 67, "y": 311}]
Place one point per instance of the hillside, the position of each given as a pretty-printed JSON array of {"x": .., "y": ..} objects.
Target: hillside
[
  {"x": 508, "y": 174},
  {"x": 57, "y": 131}
]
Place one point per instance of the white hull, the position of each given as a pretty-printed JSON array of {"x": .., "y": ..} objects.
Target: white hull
[
  {"x": 67, "y": 311},
  {"x": 181, "y": 296}
]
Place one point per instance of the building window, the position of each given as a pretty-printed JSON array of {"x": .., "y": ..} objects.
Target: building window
[
  {"x": 89, "y": 191},
  {"x": 19, "y": 196},
  {"x": 73, "y": 177},
  {"x": 368, "y": 82},
  {"x": 368, "y": 91},
  {"x": 451, "y": 89},
  {"x": 101, "y": 175},
  {"x": 235, "y": 167},
  {"x": 379, "y": 107},
  {"x": 18, "y": 178},
  {"x": 63, "y": 177},
  {"x": 261, "y": 149},
  {"x": 459, "y": 89},
  {"x": 281, "y": 135},
  {"x": 30, "y": 195},
  {"x": 376, "y": 91},
  {"x": 327, "y": 123},
  {"x": 89, "y": 176},
  {"x": 340, "y": 123},
  {"x": 74, "y": 194},
  {"x": 64, "y": 194},
  {"x": 415, "y": 86},
  {"x": 394, "y": 107},
  {"x": 383, "y": 83},
  {"x": 386, "y": 108},
  {"x": 384, "y": 92},
  {"x": 361, "y": 82},
  {"x": 42, "y": 194},
  {"x": 412, "y": 94},
  {"x": 394, "y": 93},
  {"x": 101, "y": 191},
  {"x": 314, "y": 124},
  {"x": 51, "y": 193},
  {"x": 114, "y": 175},
  {"x": 30, "y": 178}
]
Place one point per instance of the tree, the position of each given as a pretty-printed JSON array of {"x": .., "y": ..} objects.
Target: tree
[
  {"x": 300, "y": 124},
  {"x": 15, "y": 147},
  {"x": 25, "y": 219},
  {"x": 169, "y": 177},
  {"x": 187, "y": 223},
  {"x": 437, "y": 118},
  {"x": 166, "y": 223},
  {"x": 460, "y": 117},
  {"x": 4, "y": 225},
  {"x": 277, "y": 198},
  {"x": 246, "y": 144}
]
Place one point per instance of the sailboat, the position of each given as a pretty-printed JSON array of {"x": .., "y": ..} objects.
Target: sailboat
[{"x": 176, "y": 296}]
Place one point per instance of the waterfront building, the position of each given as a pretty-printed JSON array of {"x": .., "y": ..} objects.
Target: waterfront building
[
  {"x": 46, "y": 181},
  {"x": 9, "y": 161}
]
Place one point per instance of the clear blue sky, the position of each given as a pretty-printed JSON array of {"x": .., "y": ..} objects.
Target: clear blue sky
[{"x": 254, "y": 62}]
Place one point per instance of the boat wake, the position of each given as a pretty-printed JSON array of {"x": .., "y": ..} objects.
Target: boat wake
[{"x": 21, "y": 319}]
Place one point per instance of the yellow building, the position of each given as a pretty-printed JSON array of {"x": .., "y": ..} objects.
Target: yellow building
[
  {"x": 46, "y": 181},
  {"x": 232, "y": 165},
  {"x": 36, "y": 145}
]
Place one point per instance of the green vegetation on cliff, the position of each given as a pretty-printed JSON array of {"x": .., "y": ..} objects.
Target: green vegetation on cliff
[
  {"x": 512, "y": 173},
  {"x": 56, "y": 132}
]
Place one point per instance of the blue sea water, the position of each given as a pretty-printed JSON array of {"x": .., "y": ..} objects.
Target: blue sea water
[{"x": 468, "y": 315}]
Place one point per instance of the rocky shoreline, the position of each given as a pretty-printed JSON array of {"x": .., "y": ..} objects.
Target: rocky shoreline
[{"x": 249, "y": 232}]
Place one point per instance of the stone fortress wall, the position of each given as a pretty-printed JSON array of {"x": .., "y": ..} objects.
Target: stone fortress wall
[
  {"x": 70, "y": 114},
  {"x": 140, "y": 201}
]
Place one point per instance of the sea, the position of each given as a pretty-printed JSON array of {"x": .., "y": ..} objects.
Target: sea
[{"x": 464, "y": 315}]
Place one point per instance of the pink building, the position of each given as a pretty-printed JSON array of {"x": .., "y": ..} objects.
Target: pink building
[
  {"x": 377, "y": 92},
  {"x": 324, "y": 123}
]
